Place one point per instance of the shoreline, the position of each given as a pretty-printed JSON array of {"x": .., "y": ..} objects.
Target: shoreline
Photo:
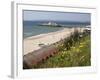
[
  {"x": 32, "y": 43},
  {"x": 43, "y": 34}
]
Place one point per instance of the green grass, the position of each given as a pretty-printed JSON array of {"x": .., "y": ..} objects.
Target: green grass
[{"x": 79, "y": 54}]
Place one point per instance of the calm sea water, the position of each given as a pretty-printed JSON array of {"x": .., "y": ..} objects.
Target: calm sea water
[{"x": 32, "y": 28}]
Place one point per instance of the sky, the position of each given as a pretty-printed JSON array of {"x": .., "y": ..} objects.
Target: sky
[{"x": 55, "y": 16}]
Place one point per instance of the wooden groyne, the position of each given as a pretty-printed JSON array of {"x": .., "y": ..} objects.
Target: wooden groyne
[{"x": 39, "y": 55}]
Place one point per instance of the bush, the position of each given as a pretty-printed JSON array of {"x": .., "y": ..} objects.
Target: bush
[{"x": 69, "y": 41}]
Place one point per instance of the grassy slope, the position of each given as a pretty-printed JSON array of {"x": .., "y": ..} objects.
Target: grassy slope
[{"x": 78, "y": 55}]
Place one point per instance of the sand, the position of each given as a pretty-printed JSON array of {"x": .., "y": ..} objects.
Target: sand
[{"x": 32, "y": 43}]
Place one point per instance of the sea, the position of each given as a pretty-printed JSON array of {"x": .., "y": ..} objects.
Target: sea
[{"x": 33, "y": 28}]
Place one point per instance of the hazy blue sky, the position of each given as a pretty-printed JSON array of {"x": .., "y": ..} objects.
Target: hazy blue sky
[{"x": 56, "y": 16}]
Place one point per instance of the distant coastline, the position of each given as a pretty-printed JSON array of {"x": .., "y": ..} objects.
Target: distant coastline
[
  {"x": 32, "y": 28},
  {"x": 25, "y": 22}
]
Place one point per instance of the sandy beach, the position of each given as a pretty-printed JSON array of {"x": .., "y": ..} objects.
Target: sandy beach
[{"x": 32, "y": 43}]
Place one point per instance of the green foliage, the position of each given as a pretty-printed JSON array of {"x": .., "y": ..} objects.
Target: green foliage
[{"x": 73, "y": 51}]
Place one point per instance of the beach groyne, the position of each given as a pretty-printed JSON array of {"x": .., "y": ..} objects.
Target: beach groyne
[{"x": 37, "y": 56}]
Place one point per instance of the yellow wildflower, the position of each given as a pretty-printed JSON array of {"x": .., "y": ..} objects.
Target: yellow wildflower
[
  {"x": 81, "y": 46},
  {"x": 77, "y": 50}
]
